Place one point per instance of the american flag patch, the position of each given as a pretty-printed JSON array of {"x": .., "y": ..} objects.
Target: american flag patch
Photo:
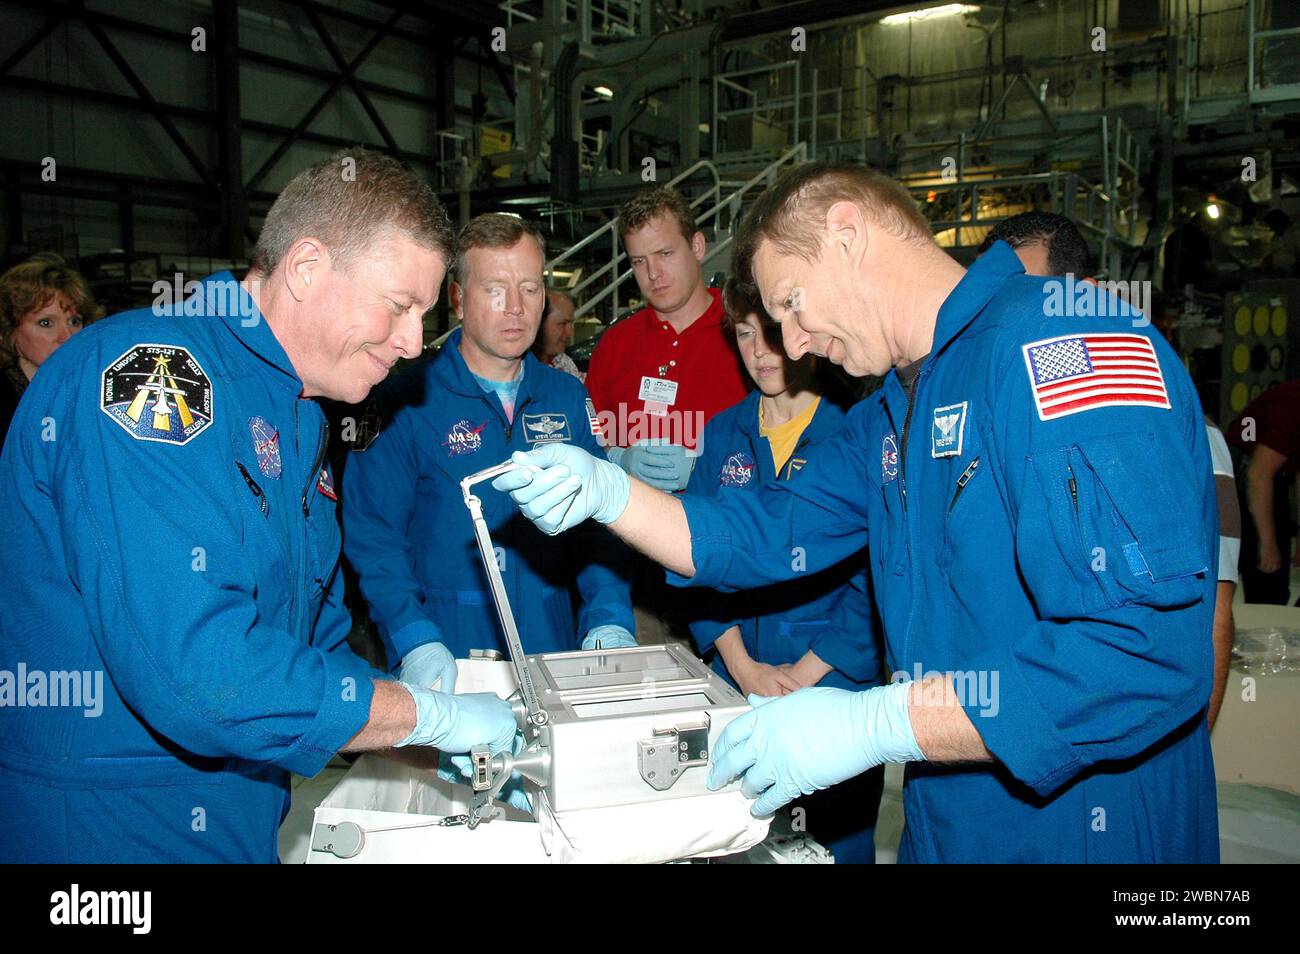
[
  {"x": 1076, "y": 373},
  {"x": 593, "y": 419}
]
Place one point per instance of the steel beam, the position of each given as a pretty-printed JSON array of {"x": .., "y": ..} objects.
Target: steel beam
[
  {"x": 230, "y": 149},
  {"x": 349, "y": 75},
  {"x": 146, "y": 97},
  {"x": 296, "y": 133}
]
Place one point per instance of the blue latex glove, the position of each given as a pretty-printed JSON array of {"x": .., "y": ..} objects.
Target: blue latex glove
[
  {"x": 458, "y": 723},
  {"x": 570, "y": 487},
  {"x": 663, "y": 466},
  {"x": 812, "y": 739},
  {"x": 609, "y": 637},
  {"x": 426, "y": 665}
]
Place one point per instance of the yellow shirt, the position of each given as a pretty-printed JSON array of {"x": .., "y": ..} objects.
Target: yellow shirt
[{"x": 784, "y": 437}]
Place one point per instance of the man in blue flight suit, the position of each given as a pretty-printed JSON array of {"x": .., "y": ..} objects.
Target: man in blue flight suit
[
  {"x": 407, "y": 531},
  {"x": 817, "y": 629},
  {"x": 170, "y": 523},
  {"x": 1024, "y": 479}
]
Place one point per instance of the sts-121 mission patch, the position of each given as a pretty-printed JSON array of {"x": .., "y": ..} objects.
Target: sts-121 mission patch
[{"x": 157, "y": 393}]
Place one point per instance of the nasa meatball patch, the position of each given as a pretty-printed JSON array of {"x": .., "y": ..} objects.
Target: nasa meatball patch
[
  {"x": 158, "y": 393},
  {"x": 737, "y": 470},
  {"x": 266, "y": 447},
  {"x": 546, "y": 428},
  {"x": 888, "y": 459},
  {"x": 463, "y": 438}
]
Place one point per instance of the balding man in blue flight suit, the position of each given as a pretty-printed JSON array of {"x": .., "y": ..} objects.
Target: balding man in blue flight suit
[
  {"x": 1034, "y": 483},
  {"x": 172, "y": 544},
  {"x": 408, "y": 534}
]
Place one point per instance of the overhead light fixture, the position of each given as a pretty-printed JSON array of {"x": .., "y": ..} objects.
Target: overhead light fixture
[
  {"x": 930, "y": 13},
  {"x": 1212, "y": 210},
  {"x": 604, "y": 91}
]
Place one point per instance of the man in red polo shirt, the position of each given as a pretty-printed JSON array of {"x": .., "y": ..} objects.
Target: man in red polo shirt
[{"x": 657, "y": 377}]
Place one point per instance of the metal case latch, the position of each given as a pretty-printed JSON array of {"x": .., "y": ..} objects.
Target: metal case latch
[{"x": 664, "y": 758}]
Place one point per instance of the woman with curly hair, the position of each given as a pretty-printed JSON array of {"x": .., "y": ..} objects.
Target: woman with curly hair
[{"x": 43, "y": 302}]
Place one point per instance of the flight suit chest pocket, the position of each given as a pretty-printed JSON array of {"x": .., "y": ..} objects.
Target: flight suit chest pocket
[
  {"x": 323, "y": 534},
  {"x": 1139, "y": 516},
  {"x": 262, "y": 543},
  {"x": 1127, "y": 519}
]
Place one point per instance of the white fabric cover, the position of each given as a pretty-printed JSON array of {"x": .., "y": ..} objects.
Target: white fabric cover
[{"x": 398, "y": 806}]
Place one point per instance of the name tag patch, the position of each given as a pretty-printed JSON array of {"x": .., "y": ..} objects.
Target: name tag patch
[
  {"x": 948, "y": 431},
  {"x": 546, "y": 428},
  {"x": 325, "y": 484}
]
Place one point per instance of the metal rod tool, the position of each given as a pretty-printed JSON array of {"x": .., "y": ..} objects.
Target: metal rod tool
[{"x": 534, "y": 714}]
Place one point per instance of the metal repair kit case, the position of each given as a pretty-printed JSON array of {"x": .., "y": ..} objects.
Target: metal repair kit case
[{"x": 601, "y": 727}]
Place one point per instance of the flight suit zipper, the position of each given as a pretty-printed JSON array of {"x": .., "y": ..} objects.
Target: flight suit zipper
[
  {"x": 907, "y": 431},
  {"x": 304, "y": 558},
  {"x": 510, "y": 425},
  {"x": 963, "y": 480},
  {"x": 258, "y": 493},
  {"x": 313, "y": 479}
]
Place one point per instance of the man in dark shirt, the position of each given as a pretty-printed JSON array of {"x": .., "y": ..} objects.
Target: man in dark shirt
[{"x": 1268, "y": 430}]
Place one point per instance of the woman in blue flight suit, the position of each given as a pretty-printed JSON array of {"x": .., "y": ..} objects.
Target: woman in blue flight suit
[{"x": 814, "y": 631}]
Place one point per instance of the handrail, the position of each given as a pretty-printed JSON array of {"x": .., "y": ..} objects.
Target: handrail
[
  {"x": 612, "y": 223},
  {"x": 798, "y": 152}
]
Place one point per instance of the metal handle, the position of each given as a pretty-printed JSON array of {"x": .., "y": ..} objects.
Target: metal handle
[{"x": 535, "y": 714}]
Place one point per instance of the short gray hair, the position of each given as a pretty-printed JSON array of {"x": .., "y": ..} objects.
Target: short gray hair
[{"x": 346, "y": 201}]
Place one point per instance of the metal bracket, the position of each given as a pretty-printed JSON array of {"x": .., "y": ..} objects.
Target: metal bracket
[
  {"x": 664, "y": 758},
  {"x": 487, "y": 778},
  {"x": 344, "y": 840}
]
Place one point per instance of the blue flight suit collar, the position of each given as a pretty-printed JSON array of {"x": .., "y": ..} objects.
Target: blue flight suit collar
[
  {"x": 454, "y": 374},
  {"x": 959, "y": 311},
  {"x": 247, "y": 323},
  {"x": 825, "y": 421},
  {"x": 976, "y": 289}
]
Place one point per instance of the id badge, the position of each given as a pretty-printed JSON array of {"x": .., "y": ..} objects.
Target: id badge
[{"x": 658, "y": 394}]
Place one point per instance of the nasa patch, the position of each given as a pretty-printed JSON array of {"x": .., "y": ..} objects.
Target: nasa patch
[
  {"x": 266, "y": 445},
  {"x": 545, "y": 428},
  {"x": 888, "y": 459},
  {"x": 948, "y": 430},
  {"x": 464, "y": 438},
  {"x": 157, "y": 393},
  {"x": 737, "y": 470}
]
